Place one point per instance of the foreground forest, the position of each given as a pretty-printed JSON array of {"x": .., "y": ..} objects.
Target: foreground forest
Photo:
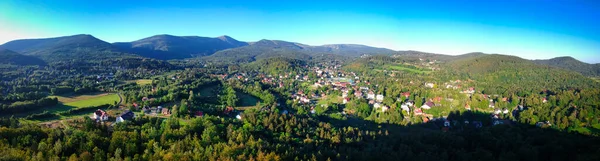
[{"x": 276, "y": 100}]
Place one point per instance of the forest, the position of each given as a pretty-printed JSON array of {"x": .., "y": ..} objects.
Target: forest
[{"x": 308, "y": 107}]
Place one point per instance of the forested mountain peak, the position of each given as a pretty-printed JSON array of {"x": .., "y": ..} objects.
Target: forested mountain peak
[
  {"x": 11, "y": 57},
  {"x": 176, "y": 47},
  {"x": 512, "y": 72},
  {"x": 570, "y": 63},
  {"x": 279, "y": 44},
  {"x": 49, "y": 45}
]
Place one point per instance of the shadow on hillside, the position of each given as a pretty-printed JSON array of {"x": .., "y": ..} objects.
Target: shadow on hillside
[{"x": 464, "y": 136}]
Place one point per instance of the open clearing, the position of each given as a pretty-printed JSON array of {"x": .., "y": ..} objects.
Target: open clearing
[
  {"x": 404, "y": 68},
  {"x": 72, "y": 102},
  {"x": 142, "y": 82},
  {"x": 88, "y": 100},
  {"x": 329, "y": 100}
]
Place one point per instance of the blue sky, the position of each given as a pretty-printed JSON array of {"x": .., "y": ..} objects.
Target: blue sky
[{"x": 532, "y": 29}]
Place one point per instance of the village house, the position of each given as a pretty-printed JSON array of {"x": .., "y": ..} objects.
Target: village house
[
  {"x": 384, "y": 108},
  {"x": 166, "y": 111},
  {"x": 358, "y": 94},
  {"x": 199, "y": 114},
  {"x": 228, "y": 110},
  {"x": 371, "y": 95},
  {"x": 100, "y": 115},
  {"x": 543, "y": 124},
  {"x": 126, "y": 116},
  {"x": 405, "y": 108},
  {"x": 304, "y": 100},
  {"x": 471, "y": 90},
  {"x": 428, "y": 105},
  {"x": 418, "y": 111},
  {"x": 410, "y": 103},
  {"x": 467, "y": 106},
  {"x": 317, "y": 84},
  {"x": 346, "y": 100},
  {"x": 146, "y": 110},
  {"x": 497, "y": 111},
  {"x": 376, "y": 105},
  {"x": 379, "y": 97},
  {"x": 429, "y": 85},
  {"x": 492, "y": 104},
  {"x": 406, "y": 95}
]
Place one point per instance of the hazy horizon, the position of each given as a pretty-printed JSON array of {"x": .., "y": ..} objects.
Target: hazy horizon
[{"x": 531, "y": 30}]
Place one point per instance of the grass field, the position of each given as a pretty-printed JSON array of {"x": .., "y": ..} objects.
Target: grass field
[
  {"x": 247, "y": 99},
  {"x": 72, "y": 102},
  {"x": 328, "y": 100},
  {"x": 403, "y": 68},
  {"x": 209, "y": 91},
  {"x": 142, "y": 82},
  {"x": 88, "y": 100}
]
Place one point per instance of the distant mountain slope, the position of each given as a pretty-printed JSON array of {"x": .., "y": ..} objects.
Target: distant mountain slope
[
  {"x": 573, "y": 64},
  {"x": 260, "y": 50},
  {"x": 418, "y": 55},
  {"x": 511, "y": 72},
  {"x": 276, "y": 65},
  {"x": 80, "y": 47},
  {"x": 277, "y": 48},
  {"x": 11, "y": 57},
  {"x": 50, "y": 45},
  {"x": 353, "y": 50},
  {"x": 178, "y": 47}
]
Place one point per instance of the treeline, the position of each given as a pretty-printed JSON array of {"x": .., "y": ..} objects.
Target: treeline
[
  {"x": 24, "y": 106},
  {"x": 270, "y": 136}
]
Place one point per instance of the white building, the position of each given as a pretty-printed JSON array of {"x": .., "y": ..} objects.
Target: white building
[
  {"x": 371, "y": 95},
  {"x": 379, "y": 97},
  {"x": 430, "y": 85},
  {"x": 405, "y": 108}
]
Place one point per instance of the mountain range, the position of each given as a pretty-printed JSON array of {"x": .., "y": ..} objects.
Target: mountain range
[
  {"x": 178, "y": 47},
  {"x": 224, "y": 49},
  {"x": 573, "y": 64}
]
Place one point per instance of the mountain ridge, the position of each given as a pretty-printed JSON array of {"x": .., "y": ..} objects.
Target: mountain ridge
[
  {"x": 570, "y": 63},
  {"x": 165, "y": 46},
  {"x": 14, "y": 58}
]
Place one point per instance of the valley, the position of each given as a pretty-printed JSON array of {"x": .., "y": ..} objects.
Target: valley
[{"x": 201, "y": 98}]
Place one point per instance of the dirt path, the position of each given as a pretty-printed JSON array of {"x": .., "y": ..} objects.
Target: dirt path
[{"x": 120, "y": 99}]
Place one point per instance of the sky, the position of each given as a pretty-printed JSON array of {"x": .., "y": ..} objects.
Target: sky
[{"x": 531, "y": 29}]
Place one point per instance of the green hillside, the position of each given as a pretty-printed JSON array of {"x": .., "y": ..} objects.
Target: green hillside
[
  {"x": 573, "y": 64},
  {"x": 11, "y": 57},
  {"x": 501, "y": 72}
]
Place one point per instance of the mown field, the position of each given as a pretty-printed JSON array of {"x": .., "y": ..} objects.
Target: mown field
[
  {"x": 400, "y": 67},
  {"x": 88, "y": 100},
  {"x": 142, "y": 82},
  {"x": 74, "y": 102},
  {"x": 329, "y": 100}
]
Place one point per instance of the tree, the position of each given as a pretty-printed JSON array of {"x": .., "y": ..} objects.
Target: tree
[{"x": 183, "y": 109}]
